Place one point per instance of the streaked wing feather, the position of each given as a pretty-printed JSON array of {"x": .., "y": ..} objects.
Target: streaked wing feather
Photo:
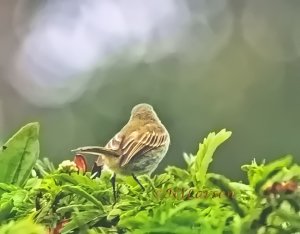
[
  {"x": 115, "y": 142},
  {"x": 136, "y": 144}
]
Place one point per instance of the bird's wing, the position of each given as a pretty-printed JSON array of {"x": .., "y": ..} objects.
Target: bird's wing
[
  {"x": 115, "y": 142},
  {"x": 137, "y": 143}
]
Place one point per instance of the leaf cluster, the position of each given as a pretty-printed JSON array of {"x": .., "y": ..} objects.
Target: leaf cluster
[{"x": 37, "y": 197}]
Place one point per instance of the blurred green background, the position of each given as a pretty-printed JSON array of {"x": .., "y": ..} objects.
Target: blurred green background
[{"x": 79, "y": 67}]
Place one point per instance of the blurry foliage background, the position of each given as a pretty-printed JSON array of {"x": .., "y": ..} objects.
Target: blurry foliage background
[{"x": 78, "y": 67}]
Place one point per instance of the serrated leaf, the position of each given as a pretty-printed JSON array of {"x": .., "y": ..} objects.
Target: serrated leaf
[
  {"x": 205, "y": 154},
  {"x": 178, "y": 172},
  {"x": 258, "y": 175},
  {"x": 189, "y": 159}
]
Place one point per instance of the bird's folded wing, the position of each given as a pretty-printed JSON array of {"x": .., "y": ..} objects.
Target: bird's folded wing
[
  {"x": 115, "y": 142},
  {"x": 137, "y": 144}
]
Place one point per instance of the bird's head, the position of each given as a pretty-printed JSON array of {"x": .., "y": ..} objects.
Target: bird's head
[{"x": 143, "y": 111}]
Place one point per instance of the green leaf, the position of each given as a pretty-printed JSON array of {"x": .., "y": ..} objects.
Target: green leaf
[
  {"x": 6, "y": 209},
  {"x": 224, "y": 184},
  {"x": 178, "y": 172},
  {"x": 162, "y": 179},
  {"x": 77, "y": 179},
  {"x": 71, "y": 208},
  {"x": 113, "y": 213},
  {"x": 189, "y": 159},
  {"x": 19, "y": 155},
  {"x": 205, "y": 154},
  {"x": 81, "y": 219},
  {"x": 77, "y": 190},
  {"x": 44, "y": 166},
  {"x": 7, "y": 188},
  {"x": 258, "y": 175},
  {"x": 22, "y": 226},
  {"x": 293, "y": 219}
]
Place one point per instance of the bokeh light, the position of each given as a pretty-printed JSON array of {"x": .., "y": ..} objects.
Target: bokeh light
[
  {"x": 78, "y": 67},
  {"x": 269, "y": 28}
]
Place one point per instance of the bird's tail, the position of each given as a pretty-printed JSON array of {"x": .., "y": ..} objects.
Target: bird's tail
[
  {"x": 99, "y": 151},
  {"x": 96, "y": 150}
]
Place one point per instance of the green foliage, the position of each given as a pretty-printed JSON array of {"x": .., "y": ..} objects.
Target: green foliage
[
  {"x": 19, "y": 154},
  {"x": 258, "y": 175},
  {"x": 19, "y": 227},
  {"x": 191, "y": 200},
  {"x": 198, "y": 164}
]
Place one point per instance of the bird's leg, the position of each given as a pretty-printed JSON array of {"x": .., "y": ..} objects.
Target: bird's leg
[
  {"x": 136, "y": 179},
  {"x": 113, "y": 182}
]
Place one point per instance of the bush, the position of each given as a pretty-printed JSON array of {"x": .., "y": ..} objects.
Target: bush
[{"x": 35, "y": 194}]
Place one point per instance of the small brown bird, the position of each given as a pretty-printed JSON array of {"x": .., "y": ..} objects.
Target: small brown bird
[{"x": 136, "y": 149}]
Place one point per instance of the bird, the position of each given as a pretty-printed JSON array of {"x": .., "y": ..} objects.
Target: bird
[{"x": 136, "y": 149}]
